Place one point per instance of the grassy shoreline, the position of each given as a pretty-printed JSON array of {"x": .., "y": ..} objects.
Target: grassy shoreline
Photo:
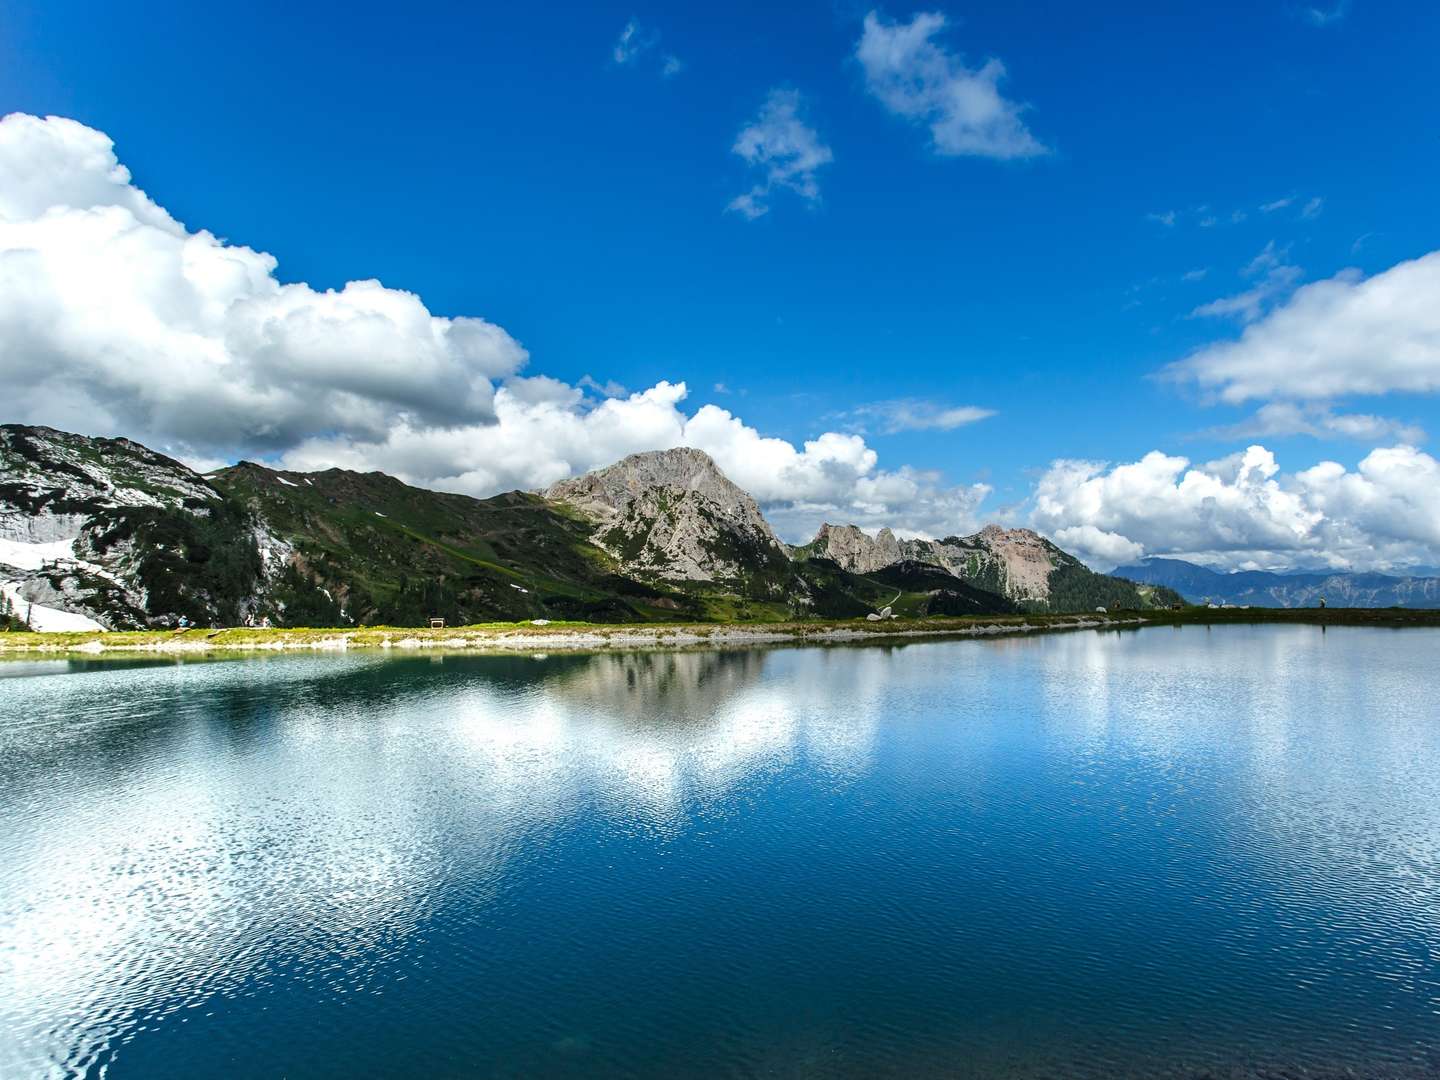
[{"x": 526, "y": 637}]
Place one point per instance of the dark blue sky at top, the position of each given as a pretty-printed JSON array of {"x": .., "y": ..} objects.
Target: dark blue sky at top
[{"x": 494, "y": 160}]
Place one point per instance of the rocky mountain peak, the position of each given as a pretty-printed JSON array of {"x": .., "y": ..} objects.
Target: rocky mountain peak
[
  {"x": 993, "y": 534},
  {"x": 857, "y": 551},
  {"x": 671, "y": 514},
  {"x": 116, "y": 472},
  {"x": 1025, "y": 560},
  {"x": 606, "y": 492},
  {"x": 1014, "y": 562}
]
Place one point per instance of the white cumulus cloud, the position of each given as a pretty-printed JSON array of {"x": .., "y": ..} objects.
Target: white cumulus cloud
[
  {"x": 920, "y": 80},
  {"x": 1345, "y": 335},
  {"x": 115, "y": 317},
  {"x": 111, "y": 309},
  {"x": 545, "y": 433},
  {"x": 1243, "y": 511}
]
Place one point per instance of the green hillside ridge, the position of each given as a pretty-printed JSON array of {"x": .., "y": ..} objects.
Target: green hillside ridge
[
  {"x": 368, "y": 549},
  {"x": 663, "y": 537}
]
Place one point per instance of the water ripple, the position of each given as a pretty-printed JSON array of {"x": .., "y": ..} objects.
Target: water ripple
[{"x": 1157, "y": 854}]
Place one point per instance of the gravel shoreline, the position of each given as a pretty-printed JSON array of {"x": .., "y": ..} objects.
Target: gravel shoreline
[{"x": 525, "y": 638}]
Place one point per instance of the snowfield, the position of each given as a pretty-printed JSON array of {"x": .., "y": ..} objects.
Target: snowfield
[
  {"x": 25, "y": 556},
  {"x": 46, "y": 619}
]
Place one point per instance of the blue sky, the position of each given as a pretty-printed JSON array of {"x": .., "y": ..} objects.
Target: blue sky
[{"x": 500, "y": 163}]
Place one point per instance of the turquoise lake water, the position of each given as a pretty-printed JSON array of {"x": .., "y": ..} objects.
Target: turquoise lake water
[{"x": 1171, "y": 852}]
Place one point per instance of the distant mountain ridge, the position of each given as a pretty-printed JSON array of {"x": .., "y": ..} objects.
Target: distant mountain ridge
[
  {"x": 1018, "y": 564},
  {"x": 1263, "y": 588},
  {"x": 104, "y": 532}
]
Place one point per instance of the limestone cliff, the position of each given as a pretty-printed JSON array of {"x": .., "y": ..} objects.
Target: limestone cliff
[
  {"x": 860, "y": 553},
  {"x": 1018, "y": 564},
  {"x": 672, "y": 514}
]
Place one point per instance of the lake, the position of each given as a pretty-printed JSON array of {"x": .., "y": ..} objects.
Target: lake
[{"x": 1166, "y": 852}]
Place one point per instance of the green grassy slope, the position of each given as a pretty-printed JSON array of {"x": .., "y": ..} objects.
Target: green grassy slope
[
  {"x": 929, "y": 590},
  {"x": 371, "y": 549}
]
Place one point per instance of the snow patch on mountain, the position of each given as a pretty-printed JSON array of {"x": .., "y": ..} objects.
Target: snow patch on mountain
[
  {"x": 46, "y": 619},
  {"x": 23, "y": 555}
]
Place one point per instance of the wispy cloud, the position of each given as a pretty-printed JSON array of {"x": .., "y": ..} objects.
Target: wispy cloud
[
  {"x": 1269, "y": 259},
  {"x": 916, "y": 414},
  {"x": 636, "y": 42},
  {"x": 632, "y": 43},
  {"x": 1327, "y": 16},
  {"x": 1276, "y": 277},
  {"x": 786, "y": 149},
  {"x": 1311, "y": 209},
  {"x": 1278, "y": 204},
  {"x": 1204, "y": 217},
  {"x": 918, "y": 79},
  {"x": 1283, "y": 418},
  {"x": 609, "y": 388}
]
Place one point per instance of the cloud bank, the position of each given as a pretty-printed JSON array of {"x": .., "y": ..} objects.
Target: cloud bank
[
  {"x": 115, "y": 317},
  {"x": 1242, "y": 511},
  {"x": 112, "y": 311},
  {"x": 545, "y": 432}
]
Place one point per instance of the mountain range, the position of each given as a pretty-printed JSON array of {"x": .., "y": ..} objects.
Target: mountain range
[
  {"x": 1264, "y": 588},
  {"x": 107, "y": 533}
]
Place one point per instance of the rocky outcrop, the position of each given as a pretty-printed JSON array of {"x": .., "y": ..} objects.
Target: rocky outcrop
[
  {"x": 1017, "y": 564},
  {"x": 90, "y": 527},
  {"x": 859, "y": 552},
  {"x": 1023, "y": 559},
  {"x": 672, "y": 514}
]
